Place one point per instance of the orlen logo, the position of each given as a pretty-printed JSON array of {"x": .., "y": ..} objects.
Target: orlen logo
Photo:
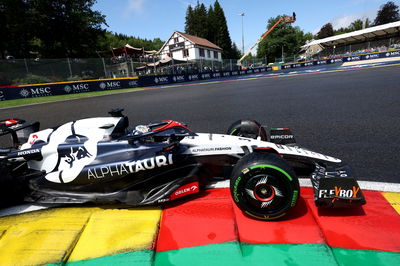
[
  {"x": 185, "y": 190},
  {"x": 110, "y": 85}
]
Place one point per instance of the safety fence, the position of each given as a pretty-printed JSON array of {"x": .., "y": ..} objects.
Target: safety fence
[
  {"x": 33, "y": 71},
  {"x": 61, "y": 88}
]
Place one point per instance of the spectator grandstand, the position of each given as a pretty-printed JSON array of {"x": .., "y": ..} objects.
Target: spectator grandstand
[{"x": 370, "y": 40}]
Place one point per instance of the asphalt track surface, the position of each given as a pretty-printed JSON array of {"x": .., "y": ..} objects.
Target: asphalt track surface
[{"x": 353, "y": 114}]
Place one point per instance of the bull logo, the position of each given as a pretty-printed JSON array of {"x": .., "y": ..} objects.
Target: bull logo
[{"x": 76, "y": 151}]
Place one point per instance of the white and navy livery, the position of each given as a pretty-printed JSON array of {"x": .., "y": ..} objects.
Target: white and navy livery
[{"x": 101, "y": 160}]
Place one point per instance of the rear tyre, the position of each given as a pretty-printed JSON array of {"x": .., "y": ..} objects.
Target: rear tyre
[
  {"x": 12, "y": 189},
  {"x": 264, "y": 186},
  {"x": 248, "y": 129}
]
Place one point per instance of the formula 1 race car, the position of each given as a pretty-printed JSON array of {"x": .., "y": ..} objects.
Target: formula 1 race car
[{"x": 100, "y": 160}]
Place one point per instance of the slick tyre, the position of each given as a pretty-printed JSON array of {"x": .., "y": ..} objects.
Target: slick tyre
[
  {"x": 248, "y": 129},
  {"x": 264, "y": 186}
]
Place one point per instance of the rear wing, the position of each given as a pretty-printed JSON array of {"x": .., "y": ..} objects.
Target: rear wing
[{"x": 19, "y": 130}]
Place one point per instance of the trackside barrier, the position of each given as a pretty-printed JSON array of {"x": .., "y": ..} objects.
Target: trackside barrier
[
  {"x": 351, "y": 58},
  {"x": 62, "y": 88},
  {"x": 145, "y": 81}
]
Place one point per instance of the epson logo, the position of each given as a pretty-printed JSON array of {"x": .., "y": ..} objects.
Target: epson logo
[
  {"x": 281, "y": 136},
  {"x": 28, "y": 152}
]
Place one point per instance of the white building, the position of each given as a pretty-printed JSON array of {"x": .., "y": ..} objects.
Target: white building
[{"x": 182, "y": 46}]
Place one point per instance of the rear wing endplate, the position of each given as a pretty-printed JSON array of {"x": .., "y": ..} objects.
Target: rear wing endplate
[{"x": 19, "y": 129}]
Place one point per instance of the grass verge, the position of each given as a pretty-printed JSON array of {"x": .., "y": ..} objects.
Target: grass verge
[{"x": 26, "y": 101}]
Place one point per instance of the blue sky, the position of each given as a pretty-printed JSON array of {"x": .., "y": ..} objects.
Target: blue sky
[{"x": 159, "y": 18}]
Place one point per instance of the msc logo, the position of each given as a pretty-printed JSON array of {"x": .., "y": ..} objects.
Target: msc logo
[
  {"x": 193, "y": 77},
  {"x": 206, "y": 76},
  {"x": 161, "y": 80},
  {"x": 110, "y": 85},
  {"x": 178, "y": 78},
  {"x": 2, "y": 98},
  {"x": 82, "y": 87},
  {"x": 36, "y": 92},
  {"x": 133, "y": 83}
]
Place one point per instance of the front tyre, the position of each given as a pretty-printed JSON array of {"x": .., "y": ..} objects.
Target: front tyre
[{"x": 264, "y": 186}]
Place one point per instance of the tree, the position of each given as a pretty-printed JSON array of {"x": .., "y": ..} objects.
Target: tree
[
  {"x": 115, "y": 40},
  {"x": 189, "y": 20},
  {"x": 222, "y": 37},
  {"x": 284, "y": 37},
  {"x": 210, "y": 25},
  {"x": 357, "y": 24},
  {"x": 389, "y": 12},
  {"x": 197, "y": 21},
  {"x": 50, "y": 28},
  {"x": 236, "y": 52},
  {"x": 325, "y": 31}
]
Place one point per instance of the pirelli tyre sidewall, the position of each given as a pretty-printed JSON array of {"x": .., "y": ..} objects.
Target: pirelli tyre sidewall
[
  {"x": 264, "y": 186},
  {"x": 247, "y": 129}
]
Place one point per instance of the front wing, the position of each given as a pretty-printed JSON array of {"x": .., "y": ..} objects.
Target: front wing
[{"x": 335, "y": 187}]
